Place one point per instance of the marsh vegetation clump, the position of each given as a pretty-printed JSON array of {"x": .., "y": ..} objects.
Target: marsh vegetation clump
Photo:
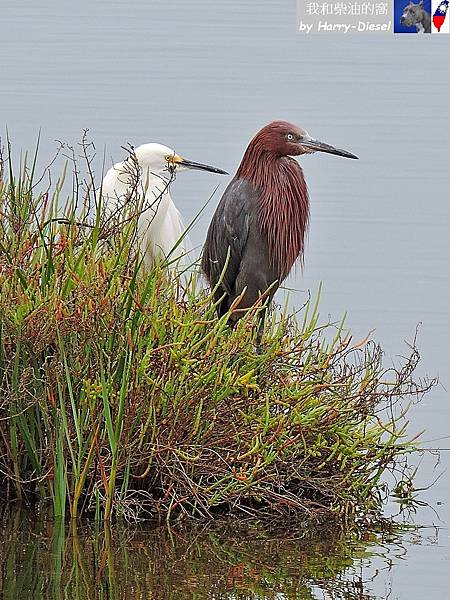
[{"x": 121, "y": 393}]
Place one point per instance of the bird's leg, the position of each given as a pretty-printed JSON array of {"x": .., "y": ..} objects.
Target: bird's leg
[
  {"x": 221, "y": 302},
  {"x": 256, "y": 303},
  {"x": 261, "y": 319},
  {"x": 260, "y": 330}
]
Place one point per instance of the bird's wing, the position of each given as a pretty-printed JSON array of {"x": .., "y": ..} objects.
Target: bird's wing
[{"x": 228, "y": 232}]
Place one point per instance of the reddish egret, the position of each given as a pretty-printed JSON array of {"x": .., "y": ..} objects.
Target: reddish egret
[
  {"x": 258, "y": 230},
  {"x": 160, "y": 225}
]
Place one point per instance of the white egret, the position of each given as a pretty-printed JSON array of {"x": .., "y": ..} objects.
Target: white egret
[{"x": 143, "y": 180}]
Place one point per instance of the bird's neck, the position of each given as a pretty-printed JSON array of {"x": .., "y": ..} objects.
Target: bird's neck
[
  {"x": 154, "y": 175},
  {"x": 283, "y": 213}
]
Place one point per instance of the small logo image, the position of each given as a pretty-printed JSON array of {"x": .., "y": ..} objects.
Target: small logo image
[
  {"x": 410, "y": 17},
  {"x": 440, "y": 18}
]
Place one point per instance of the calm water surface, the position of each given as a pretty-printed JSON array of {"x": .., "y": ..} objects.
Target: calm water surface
[
  {"x": 46, "y": 561},
  {"x": 202, "y": 77}
]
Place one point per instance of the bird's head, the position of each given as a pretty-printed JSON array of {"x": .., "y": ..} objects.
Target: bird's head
[
  {"x": 285, "y": 139},
  {"x": 161, "y": 160}
]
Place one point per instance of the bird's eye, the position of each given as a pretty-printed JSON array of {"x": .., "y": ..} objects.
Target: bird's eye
[
  {"x": 168, "y": 158},
  {"x": 290, "y": 137}
]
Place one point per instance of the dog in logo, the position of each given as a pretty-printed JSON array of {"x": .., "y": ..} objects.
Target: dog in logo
[{"x": 415, "y": 14}]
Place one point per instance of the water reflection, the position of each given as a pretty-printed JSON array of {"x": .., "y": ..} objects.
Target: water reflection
[{"x": 42, "y": 561}]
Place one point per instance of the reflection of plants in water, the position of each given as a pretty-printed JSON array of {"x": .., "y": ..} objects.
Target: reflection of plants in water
[{"x": 42, "y": 561}]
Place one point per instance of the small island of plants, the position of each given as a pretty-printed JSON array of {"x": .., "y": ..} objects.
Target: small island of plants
[{"x": 122, "y": 394}]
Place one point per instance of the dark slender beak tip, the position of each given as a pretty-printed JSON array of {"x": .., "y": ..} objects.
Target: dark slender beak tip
[
  {"x": 317, "y": 146},
  {"x": 346, "y": 154},
  {"x": 190, "y": 164}
]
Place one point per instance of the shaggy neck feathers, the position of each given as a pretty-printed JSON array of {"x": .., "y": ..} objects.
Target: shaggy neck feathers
[{"x": 283, "y": 213}]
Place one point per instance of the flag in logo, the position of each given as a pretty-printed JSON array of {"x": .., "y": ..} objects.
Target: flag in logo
[{"x": 440, "y": 13}]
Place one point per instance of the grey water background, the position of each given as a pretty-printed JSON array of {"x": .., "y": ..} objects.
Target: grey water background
[{"x": 202, "y": 78}]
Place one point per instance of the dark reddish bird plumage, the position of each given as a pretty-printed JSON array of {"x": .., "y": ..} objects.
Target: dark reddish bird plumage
[
  {"x": 258, "y": 229},
  {"x": 284, "y": 205}
]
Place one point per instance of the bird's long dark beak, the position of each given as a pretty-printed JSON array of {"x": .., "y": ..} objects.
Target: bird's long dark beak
[
  {"x": 316, "y": 146},
  {"x": 190, "y": 164}
]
